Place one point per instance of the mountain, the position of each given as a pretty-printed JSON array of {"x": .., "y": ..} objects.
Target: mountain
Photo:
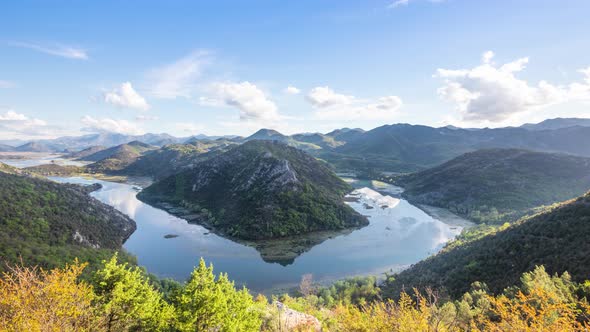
[
  {"x": 557, "y": 123},
  {"x": 174, "y": 158},
  {"x": 345, "y": 134},
  {"x": 118, "y": 157},
  {"x": 556, "y": 238},
  {"x": 405, "y": 148},
  {"x": 323, "y": 141},
  {"x": 47, "y": 224},
  {"x": 498, "y": 185},
  {"x": 260, "y": 190},
  {"x": 77, "y": 143},
  {"x": 267, "y": 134},
  {"x": 6, "y": 148},
  {"x": 85, "y": 153},
  {"x": 34, "y": 147}
]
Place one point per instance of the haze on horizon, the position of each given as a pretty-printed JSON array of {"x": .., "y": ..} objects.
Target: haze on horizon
[{"x": 186, "y": 68}]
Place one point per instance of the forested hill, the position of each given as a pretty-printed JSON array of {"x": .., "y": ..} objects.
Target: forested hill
[
  {"x": 556, "y": 238},
  {"x": 260, "y": 189},
  {"x": 117, "y": 158},
  {"x": 47, "y": 224},
  {"x": 498, "y": 185},
  {"x": 174, "y": 158}
]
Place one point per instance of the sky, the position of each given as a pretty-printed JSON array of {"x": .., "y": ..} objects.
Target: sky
[{"x": 233, "y": 67}]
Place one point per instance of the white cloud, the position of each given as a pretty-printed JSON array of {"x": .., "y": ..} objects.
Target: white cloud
[
  {"x": 323, "y": 96},
  {"x": 493, "y": 93},
  {"x": 6, "y": 84},
  {"x": 251, "y": 101},
  {"x": 330, "y": 105},
  {"x": 291, "y": 90},
  {"x": 110, "y": 125},
  {"x": 178, "y": 79},
  {"x": 15, "y": 125},
  {"x": 125, "y": 96},
  {"x": 65, "y": 51}
]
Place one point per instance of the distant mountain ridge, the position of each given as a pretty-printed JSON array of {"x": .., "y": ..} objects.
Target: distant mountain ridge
[{"x": 557, "y": 123}]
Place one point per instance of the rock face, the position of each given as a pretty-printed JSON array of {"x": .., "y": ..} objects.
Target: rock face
[
  {"x": 260, "y": 190},
  {"x": 291, "y": 320}
]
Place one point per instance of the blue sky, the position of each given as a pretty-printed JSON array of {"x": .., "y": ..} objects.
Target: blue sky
[{"x": 232, "y": 67}]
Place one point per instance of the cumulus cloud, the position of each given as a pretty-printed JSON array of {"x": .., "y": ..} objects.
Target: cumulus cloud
[
  {"x": 491, "y": 92},
  {"x": 250, "y": 100},
  {"x": 65, "y": 51},
  {"x": 110, "y": 125},
  {"x": 125, "y": 96},
  {"x": 330, "y": 105},
  {"x": 15, "y": 125},
  {"x": 323, "y": 96},
  {"x": 291, "y": 90},
  {"x": 178, "y": 78}
]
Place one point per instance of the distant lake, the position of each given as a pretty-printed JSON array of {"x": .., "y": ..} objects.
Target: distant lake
[{"x": 398, "y": 235}]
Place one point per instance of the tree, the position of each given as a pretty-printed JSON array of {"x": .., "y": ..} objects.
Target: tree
[
  {"x": 213, "y": 304},
  {"x": 128, "y": 301},
  {"x": 32, "y": 299}
]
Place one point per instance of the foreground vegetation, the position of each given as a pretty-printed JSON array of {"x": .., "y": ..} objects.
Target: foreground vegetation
[{"x": 123, "y": 298}]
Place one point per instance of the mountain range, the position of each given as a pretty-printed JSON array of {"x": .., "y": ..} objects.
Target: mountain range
[{"x": 392, "y": 148}]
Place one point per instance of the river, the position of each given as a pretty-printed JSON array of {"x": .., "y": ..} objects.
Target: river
[{"x": 399, "y": 234}]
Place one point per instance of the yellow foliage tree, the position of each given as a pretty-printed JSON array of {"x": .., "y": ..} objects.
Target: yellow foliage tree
[{"x": 32, "y": 299}]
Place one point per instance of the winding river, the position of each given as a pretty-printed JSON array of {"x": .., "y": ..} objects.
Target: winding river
[{"x": 399, "y": 234}]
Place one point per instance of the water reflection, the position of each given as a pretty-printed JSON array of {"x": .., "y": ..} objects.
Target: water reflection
[{"x": 399, "y": 234}]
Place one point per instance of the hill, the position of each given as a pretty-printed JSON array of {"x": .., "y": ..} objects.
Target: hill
[
  {"x": 556, "y": 238},
  {"x": 53, "y": 170},
  {"x": 34, "y": 147},
  {"x": 6, "y": 148},
  {"x": 174, "y": 158},
  {"x": 117, "y": 158},
  {"x": 47, "y": 224},
  {"x": 80, "y": 155},
  {"x": 497, "y": 185},
  {"x": 260, "y": 190},
  {"x": 267, "y": 134}
]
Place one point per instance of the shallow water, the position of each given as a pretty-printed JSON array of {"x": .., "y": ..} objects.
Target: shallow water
[{"x": 399, "y": 234}]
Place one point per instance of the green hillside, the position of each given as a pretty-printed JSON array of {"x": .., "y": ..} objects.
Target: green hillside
[
  {"x": 48, "y": 224},
  {"x": 260, "y": 190},
  {"x": 556, "y": 238},
  {"x": 497, "y": 185}
]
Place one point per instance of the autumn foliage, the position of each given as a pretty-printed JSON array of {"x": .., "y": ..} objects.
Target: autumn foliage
[{"x": 123, "y": 298}]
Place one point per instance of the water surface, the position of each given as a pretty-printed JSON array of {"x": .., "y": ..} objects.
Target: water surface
[{"x": 399, "y": 234}]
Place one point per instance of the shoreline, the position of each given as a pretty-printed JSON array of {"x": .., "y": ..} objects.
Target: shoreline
[{"x": 445, "y": 216}]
